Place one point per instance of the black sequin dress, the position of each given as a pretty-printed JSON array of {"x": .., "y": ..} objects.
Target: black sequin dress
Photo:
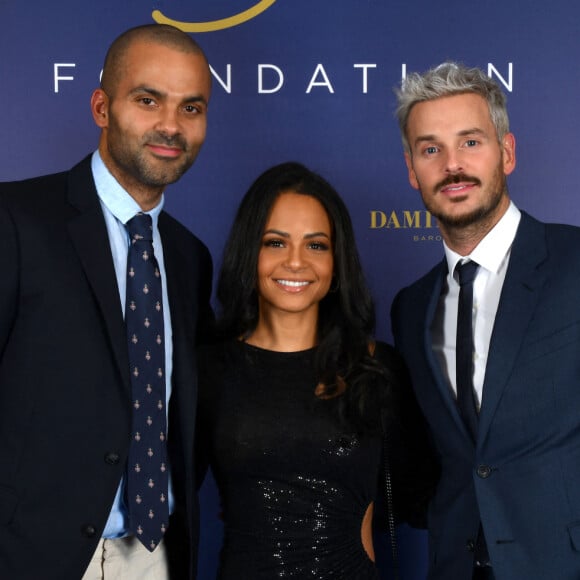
[{"x": 294, "y": 484}]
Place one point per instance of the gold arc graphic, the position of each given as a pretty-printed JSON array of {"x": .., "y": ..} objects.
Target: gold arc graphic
[{"x": 213, "y": 25}]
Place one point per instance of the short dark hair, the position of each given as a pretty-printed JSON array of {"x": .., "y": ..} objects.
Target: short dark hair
[{"x": 162, "y": 34}]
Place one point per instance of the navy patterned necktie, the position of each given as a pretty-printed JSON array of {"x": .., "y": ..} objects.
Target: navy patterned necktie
[
  {"x": 147, "y": 468},
  {"x": 464, "y": 346}
]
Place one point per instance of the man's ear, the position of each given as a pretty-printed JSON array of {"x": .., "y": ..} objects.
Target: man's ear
[
  {"x": 100, "y": 108},
  {"x": 508, "y": 147},
  {"x": 412, "y": 177}
]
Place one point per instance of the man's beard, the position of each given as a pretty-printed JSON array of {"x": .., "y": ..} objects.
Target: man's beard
[
  {"x": 498, "y": 189},
  {"x": 131, "y": 157},
  {"x": 148, "y": 172}
]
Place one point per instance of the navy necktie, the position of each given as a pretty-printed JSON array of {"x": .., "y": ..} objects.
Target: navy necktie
[
  {"x": 464, "y": 365},
  {"x": 465, "y": 348},
  {"x": 147, "y": 467}
]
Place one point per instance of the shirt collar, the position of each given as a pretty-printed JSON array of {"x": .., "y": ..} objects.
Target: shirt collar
[
  {"x": 114, "y": 197},
  {"x": 494, "y": 247}
]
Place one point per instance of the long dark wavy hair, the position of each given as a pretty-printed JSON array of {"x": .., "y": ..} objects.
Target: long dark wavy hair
[{"x": 346, "y": 319}]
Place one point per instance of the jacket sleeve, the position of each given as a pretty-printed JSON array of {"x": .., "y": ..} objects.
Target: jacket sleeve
[
  {"x": 8, "y": 277},
  {"x": 408, "y": 452}
]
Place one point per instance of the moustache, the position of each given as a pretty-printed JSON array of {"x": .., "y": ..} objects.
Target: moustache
[
  {"x": 457, "y": 178},
  {"x": 158, "y": 138}
]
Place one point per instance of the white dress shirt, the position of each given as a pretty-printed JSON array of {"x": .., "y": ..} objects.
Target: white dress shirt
[
  {"x": 118, "y": 208},
  {"x": 492, "y": 254}
]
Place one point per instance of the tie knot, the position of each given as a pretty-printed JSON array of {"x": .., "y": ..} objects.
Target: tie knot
[
  {"x": 140, "y": 228},
  {"x": 466, "y": 272}
]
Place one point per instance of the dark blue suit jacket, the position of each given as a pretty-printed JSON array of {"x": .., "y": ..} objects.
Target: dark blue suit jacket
[
  {"x": 523, "y": 473},
  {"x": 65, "y": 396}
]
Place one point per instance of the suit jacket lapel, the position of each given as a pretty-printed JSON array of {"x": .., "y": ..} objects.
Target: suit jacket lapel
[
  {"x": 519, "y": 296},
  {"x": 89, "y": 236}
]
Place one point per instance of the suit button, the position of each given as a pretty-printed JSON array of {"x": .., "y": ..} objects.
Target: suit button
[
  {"x": 112, "y": 458},
  {"x": 470, "y": 545},
  {"x": 89, "y": 531},
  {"x": 484, "y": 471}
]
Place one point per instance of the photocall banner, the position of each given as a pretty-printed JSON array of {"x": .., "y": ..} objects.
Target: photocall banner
[{"x": 310, "y": 81}]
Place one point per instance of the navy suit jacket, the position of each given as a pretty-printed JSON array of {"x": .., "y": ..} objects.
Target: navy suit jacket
[
  {"x": 65, "y": 396},
  {"x": 523, "y": 473}
]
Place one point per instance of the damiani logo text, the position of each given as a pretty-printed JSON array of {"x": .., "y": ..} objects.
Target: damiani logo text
[{"x": 406, "y": 219}]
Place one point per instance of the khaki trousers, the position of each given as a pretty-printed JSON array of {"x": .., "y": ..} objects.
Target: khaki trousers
[{"x": 127, "y": 559}]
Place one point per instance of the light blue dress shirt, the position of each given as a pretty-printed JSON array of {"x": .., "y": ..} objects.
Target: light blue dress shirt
[{"x": 118, "y": 208}]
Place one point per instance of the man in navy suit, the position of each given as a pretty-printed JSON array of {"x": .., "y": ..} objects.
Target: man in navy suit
[
  {"x": 508, "y": 502},
  {"x": 66, "y": 404}
]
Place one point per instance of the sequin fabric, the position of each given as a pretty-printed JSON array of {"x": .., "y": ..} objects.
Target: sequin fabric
[{"x": 294, "y": 483}]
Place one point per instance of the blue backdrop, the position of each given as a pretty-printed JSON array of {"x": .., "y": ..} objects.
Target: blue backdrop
[{"x": 309, "y": 81}]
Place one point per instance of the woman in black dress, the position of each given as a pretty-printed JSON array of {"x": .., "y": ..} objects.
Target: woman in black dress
[{"x": 292, "y": 396}]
